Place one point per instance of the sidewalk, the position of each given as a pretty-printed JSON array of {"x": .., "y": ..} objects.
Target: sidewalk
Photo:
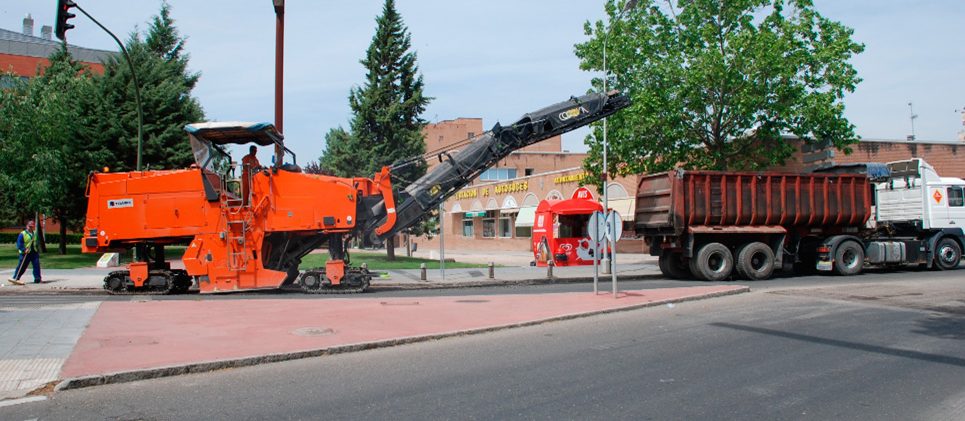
[
  {"x": 512, "y": 268},
  {"x": 65, "y": 344}
]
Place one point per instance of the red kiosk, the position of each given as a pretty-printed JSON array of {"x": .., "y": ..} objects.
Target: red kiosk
[{"x": 559, "y": 230}]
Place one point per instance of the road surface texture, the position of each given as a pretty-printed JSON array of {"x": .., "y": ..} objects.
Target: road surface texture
[{"x": 886, "y": 347}]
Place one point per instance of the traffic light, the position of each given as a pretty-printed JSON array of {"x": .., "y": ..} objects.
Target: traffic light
[{"x": 63, "y": 15}]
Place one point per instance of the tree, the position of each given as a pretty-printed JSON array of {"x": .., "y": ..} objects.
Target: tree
[
  {"x": 386, "y": 126},
  {"x": 719, "y": 84},
  {"x": 42, "y": 127},
  {"x": 166, "y": 85}
]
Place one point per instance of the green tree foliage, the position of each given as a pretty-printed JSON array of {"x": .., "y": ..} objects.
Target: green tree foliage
[
  {"x": 386, "y": 126},
  {"x": 45, "y": 141},
  {"x": 166, "y": 84},
  {"x": 718, "y": 84}
]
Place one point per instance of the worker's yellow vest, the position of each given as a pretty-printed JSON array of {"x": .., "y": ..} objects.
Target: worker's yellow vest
[{"x": 29, "y": 241}]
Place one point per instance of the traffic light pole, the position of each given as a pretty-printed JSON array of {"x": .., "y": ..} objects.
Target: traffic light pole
[{"x": 137, "y": 85}]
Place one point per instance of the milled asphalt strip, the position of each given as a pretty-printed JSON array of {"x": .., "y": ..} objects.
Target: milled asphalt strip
[{"x": 136, "y": 375}]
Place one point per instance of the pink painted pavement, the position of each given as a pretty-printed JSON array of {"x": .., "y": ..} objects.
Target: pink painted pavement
[{"x": 129, "y": 336}]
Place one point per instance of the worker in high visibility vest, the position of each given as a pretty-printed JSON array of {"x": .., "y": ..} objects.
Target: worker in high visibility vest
[
  {"x": 249, "y": 164},
  {"x": 29, "y": 253}
]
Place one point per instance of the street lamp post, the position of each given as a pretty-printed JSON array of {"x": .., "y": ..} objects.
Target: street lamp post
[
  {"x": 137, "y": 84},
  {"x": 279, "y": 6},
  {"x": 610, "y": 263}
]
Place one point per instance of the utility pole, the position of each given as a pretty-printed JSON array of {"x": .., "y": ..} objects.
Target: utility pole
[
  {"x": 279, "y": 75},
  {"x": 912, "y": 116}
]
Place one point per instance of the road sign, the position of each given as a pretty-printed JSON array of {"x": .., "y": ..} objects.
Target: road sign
[
  {"x": 596, "y": 229},
  {"x": 614, "y": 226}
]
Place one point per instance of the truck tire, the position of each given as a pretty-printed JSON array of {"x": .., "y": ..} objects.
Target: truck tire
[
  {"x": 713, "y": 262},
  {"x": 755, "y": 261},
  {"x": 671, "y": 265},
  {"x": 848, "y": 258},
  {"x": 948, "y": 254}
]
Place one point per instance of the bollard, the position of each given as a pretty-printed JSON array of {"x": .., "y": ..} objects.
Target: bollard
[
  {"x": 422, "y": 268},
  {"x": 549, "y": 269},
  {"x": 492, "y": 272}
]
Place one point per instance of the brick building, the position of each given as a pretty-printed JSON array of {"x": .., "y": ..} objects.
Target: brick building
[
  {"x": 24, "y": 54},
  {"x": 946, "y": 157},
  {"x": 496, "y": 211}
]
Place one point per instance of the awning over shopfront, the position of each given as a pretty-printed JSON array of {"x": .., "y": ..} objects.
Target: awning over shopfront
[
  {"x": 625, "y": 207},
  {"x": 526, "y": 217}
]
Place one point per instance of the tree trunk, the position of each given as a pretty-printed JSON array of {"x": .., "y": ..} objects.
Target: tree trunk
[
  {"x": 390, "y": 248},
  {"x": 63, "y": 237},
  {"x": 39, "y": 233},
  {"x": 408, "y": 244}
]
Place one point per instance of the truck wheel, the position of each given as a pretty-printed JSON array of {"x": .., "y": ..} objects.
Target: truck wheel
[
  {"x": 755, "y": 261},
  {"x": 948, "y": 254},
  {"x": 713, "y": 262},
  {"x": 671, "y": 265},
  {"x": 848, "y": 258}
]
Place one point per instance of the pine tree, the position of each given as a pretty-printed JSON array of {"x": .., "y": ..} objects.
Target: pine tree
[
  {"x": 386, "y": 126},
  {"x": 166, "y": 85}
]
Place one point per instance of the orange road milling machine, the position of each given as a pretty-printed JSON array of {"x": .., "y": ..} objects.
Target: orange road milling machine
[{"x": 255, "y": 238}]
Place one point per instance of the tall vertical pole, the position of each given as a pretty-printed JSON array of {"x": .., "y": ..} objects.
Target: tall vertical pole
[
  {"x": 279, "y": 74},
  {"x": 611, "y": 221},
  {"x": 442, "y": 241}
]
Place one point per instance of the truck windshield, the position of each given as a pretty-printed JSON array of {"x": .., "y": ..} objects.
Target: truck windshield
[{"x": 209, "y": 157}]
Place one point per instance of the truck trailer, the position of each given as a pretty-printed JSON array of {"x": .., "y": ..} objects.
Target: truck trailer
[{"x": 718, "y": 225}]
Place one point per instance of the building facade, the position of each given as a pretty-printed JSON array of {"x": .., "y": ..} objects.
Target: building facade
[
  {"x": 24, "y": 54},
  {"x": 496, "y": 211}
]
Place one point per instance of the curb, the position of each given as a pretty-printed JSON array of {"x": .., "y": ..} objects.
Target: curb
[
  {"x": 497, "y": 282},
  {"x": 415, "y": 285},
  {"x": 202, "y": 367}
]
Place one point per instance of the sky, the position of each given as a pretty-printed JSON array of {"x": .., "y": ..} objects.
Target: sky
[{"x": 497, "y": 59}]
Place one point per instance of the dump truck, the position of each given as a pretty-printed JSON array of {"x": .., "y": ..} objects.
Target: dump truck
[
  {"x": 255, "y": 237},
  {"x": 719, "y": 225}
]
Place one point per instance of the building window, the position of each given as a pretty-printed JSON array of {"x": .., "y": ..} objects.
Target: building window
[
  {"x": 472, "y": 135},
  {"x": 524, "y": 232},
  {"x": 528, "y": 172},
  {"x": 956, "y": 197},
  {"x": 497, "y": 174},
  {"x": 505, "y": 228},
  {"x": 489, "y": 228},
  {"x": 467, "y": 228}
]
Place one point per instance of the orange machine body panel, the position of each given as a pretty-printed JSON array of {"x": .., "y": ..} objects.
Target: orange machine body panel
[{"x": 227, "y": 244}]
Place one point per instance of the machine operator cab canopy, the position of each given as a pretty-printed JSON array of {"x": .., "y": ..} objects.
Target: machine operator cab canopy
[{"x": 209, "y": 139}]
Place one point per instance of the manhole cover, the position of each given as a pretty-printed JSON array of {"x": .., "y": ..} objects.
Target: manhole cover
[
  {"x": 472, "y": 301},
  {"x": 313, "y": 331},
  {"x": 475, "y": 273}
]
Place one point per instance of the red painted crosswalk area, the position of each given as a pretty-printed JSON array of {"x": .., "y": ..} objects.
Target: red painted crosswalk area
[{"x": 132, "y": 336}]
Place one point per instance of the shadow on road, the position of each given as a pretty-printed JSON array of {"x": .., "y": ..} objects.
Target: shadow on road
[{"x": 941, "y": 359}]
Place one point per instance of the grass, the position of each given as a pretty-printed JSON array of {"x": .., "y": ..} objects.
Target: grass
[
  {"x": 50, "y": 260},
  {"x": 75, "y": 259},
  {"x": 378, "y": 261}
]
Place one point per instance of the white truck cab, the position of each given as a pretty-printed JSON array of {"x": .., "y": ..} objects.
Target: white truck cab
[{"x": 916, "y": 193}]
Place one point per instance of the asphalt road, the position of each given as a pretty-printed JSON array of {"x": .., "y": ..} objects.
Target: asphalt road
[{"x": 879, "y": 346}]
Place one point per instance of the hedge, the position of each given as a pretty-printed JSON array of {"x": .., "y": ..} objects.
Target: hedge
[{"x": 52, "y": 238}]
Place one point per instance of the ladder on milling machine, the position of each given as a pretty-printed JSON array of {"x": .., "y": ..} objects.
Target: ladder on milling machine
[{"x": 238, "y": 218}]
